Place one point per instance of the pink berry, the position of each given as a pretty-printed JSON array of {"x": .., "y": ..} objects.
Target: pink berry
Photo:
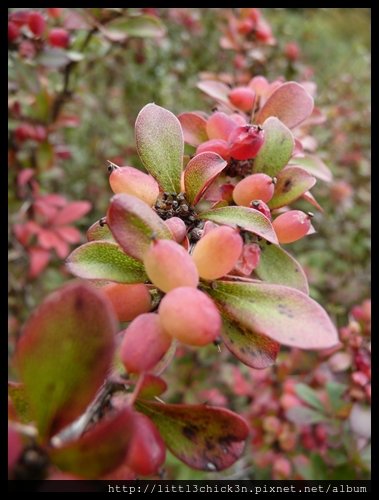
[
  {"x": 261, "y": 207},
  {"x": 254, "y": 187},
  {"x": 291, "y": 226},
  {"x": 242, "y": 98}
]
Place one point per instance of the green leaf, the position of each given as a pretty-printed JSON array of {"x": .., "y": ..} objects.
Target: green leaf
[
  {"x": 99, "y": 232},
  {"x": 104, "y": 260},
  {"x": 292, "y": 182},
  {"x": 44, "y": 156},
  {"x": 279, "y": 267},
  {"x": 16, "y": 392},
  {"x": 253, "y": 349},
  {"x": 203, "y": 437},
  {"x": 277, "y": 148},
  {"x": 290, "y": 102},
  {"x": 284, "y": 314},
  {"x": 65, "y": 353},
  {"x": 310, "y": 396},
  {"x": 98, "y": 451},
  {"x": 314, "y": 166},
  {"x": 335, "y": 391},
  {"x": 194, "y": 128},
  {"x": 302, "y": 415},
  {"x": 143, "y": 26},
  {"x": 199, "y": 173},
  {"x": 246, "y": 218},
  {"x": 133, "y": 224},
  {"x": 160, "y": 145},
  {"x": 53, "y": 58}
]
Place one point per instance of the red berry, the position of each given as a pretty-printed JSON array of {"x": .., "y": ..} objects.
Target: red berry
[
  {"x": 59, "y": 37},
  {"x": 20, "y": 17},
  {"x": 292, "y": 51},
  {"x": 36, "y": 23},
  {"x": 245, "y": 142},
  {"x": 13, "y": 31}
]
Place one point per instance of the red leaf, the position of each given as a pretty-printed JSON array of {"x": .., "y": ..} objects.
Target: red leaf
[
  {"x": 101, "y": 450},
  {"x": 72, "y": 212},
  {"x": 68, "y": 233},
  {"x": 38, "y": 260},
  {"x": 64, "y": 354}
]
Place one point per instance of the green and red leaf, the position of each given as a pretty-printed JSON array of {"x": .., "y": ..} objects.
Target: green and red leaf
[
  {"x": 279, "y": 267},
  {"x": 290, "y": 102},
  {"x": 99, "y": 232},
  {"x": 151, "y": 386},
  {"x": 100, "y": 450},
  {"x": 65, "y": 353},
  {"x": 16, "y": 392},
  {"x": 292, "y": 183},
  {"x": 283, "y": 314},
  {"x": 200, "y": 172},
  {"x": 133, "y": 224},
  {"x": 160, "y": 145},
  {"x": 253, "y": 349},
  {"x": 245, "y": 218},
  {"x": 194, "y": 128},
  {"x": 104, "y": 260},
  {"x": 277, "y": 148},
  {"x": 314, "y": 166},
  {"x": 203, "y": 437}
]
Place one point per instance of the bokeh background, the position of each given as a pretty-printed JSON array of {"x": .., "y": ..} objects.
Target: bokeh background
[{"x": 72, "y": 108}]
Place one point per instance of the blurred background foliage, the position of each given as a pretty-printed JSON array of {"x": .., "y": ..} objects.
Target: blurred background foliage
[{"x": 110, "y": 82}]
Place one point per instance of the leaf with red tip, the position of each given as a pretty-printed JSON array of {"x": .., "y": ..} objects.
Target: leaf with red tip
[
  {"x": 199, "y": 173},
  {"x": 151, "y": 386},
  {"x": 308, "y": 196},
  {"x": 277, "y": 148},
  {"x": 71, "y": 212},
  {"x": 279, "y": 267},
  {"x": 203, "y": 437},
  {"x": 314, "y": 166},
  {"x": 16, "y": 392},
  {"x": 291, "y": 183},
  {"x": 160, "y": 145},
  {"x": 104, "y": 260},
  {"x": 246, "y": 218},
  {"x": 194, "y": 128},
  {"x": 217, "y": 90},
  {"x": 100, "y": 450},
  {"x": 253, "y": 349},
  {"x": 284, "y": 314},
  {"x": 291, "y": 103},
  {"x": 99, "y": 232},
  {"x": 65, "y": 353},
  {"x": 133, "y": 224}
]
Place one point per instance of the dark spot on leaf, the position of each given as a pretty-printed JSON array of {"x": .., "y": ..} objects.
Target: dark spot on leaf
[
  {"x": 209, "y": 444},
  {"x": 79, "y": 303},
  {"x": 287, "y": 186},
  {"x": 190, "y": 431}
]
